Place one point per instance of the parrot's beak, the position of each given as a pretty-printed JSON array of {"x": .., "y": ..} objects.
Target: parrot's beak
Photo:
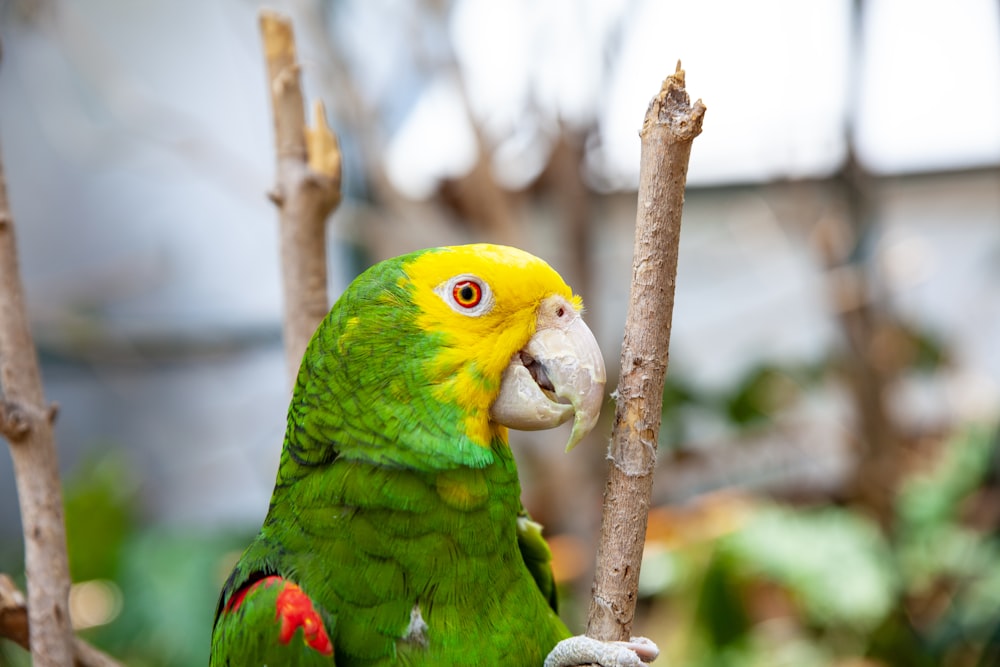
[{"x": 559, "y": 373}]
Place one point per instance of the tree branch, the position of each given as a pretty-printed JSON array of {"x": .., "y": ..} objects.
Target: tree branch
[
  {"x": 670, "y": 126},
  {"x": 13, "y": 613},
  {"x": 306, "y": 191},
  {"x": 42, "y": 622},
  {"x": 27, "y": 426},
  {"x": 14, "y": 626}
]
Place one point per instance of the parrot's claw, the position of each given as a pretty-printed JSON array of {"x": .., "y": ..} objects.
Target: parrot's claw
[{"x": 582, "y": 650}]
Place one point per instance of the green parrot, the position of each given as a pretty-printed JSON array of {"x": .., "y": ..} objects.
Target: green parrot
[{"x": 396, "y": 533}]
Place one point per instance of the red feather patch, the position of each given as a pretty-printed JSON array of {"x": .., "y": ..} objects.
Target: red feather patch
[{"x": 294, "y": 609}]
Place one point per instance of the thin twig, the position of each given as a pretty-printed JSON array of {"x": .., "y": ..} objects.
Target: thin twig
[
  {"x": 27, "y": 426},
  {"x": 671, "y": 124},
  {"x": 13, "y": 613},
  {"x": 14, "y": 626},
  {"x": 306, "y": 191}
]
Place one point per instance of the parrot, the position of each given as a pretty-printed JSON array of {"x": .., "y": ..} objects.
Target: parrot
[{"x": 395, "y": 533}]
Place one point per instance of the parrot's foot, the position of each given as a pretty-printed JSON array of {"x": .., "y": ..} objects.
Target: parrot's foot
[{"x": 582, "y": 650}]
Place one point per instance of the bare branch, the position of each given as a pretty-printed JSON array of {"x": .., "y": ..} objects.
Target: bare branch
[
  {"x": 306, "y": 191},
  {"x": 14, "y": 626},
  {"x": 27, "y": 426},
  {"x": 13, "y": 613},
  {"x": 670, "y": 125}
]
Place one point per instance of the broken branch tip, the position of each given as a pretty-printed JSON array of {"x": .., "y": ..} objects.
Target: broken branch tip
[
  {"x": 322, "y": 145},
  {"x": 276, "y": 33}
]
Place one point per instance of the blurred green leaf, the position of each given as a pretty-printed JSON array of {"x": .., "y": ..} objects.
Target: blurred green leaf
[
  {"x": 762, "y": 392},
  {"x": 679, "y": 396},
  {"x": 836, "y": 564},
  {"x": 767, "y": 389},
  {"x": 720, "y": 612},
  {"x": 896, "y": 642},
  {"x": 170, "y": 581},
  {"x": 934, "y": 497},
  {"x": 100, "y": 501},
  {"x": 930, "y": 352}
]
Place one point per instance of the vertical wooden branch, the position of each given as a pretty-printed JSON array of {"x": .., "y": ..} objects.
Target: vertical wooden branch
[
  {"x": 670, "y": 126},
  {"x": 306, "y": 191},
  {"x": 42, "y": 623},
  {"x": 26, "y": 423}
]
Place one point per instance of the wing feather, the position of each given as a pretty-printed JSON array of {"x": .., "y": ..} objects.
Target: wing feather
[
  {"x": 537, "y": 557},
  {"x": 269, "y": 620}
]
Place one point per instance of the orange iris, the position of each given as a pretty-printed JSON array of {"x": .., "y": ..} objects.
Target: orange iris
[{"x": 467, "y": 293}]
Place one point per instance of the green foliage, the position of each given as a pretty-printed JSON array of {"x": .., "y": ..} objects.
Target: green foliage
[
  {"x": 721, "y": 614},
  {"x": 834, "y": 563},
  {"x": 679, "y": 395},
  {"x": 933, "y": 499},
  {"x": 929, "y": 351},
  {"x": 823, "y": 586},
  {"x": 760, "y": 394},
  {"x": 938, "y": 549},
  {"x": 170, "y": 581},
  {"x": 766, "y": 390},
  {"x": 752, "y": 401},
  {"x": 100, "y": 501}
]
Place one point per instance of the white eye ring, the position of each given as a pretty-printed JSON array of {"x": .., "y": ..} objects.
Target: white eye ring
[{"x": 466, "y": 294}]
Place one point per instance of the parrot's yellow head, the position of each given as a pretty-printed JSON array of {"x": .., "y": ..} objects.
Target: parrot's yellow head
[
  {"x": 430, "y": 356},
  {"x": 487, "y": 302}
]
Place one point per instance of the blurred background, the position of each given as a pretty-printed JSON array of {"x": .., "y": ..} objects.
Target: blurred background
[{"x": 828, "y": 489}]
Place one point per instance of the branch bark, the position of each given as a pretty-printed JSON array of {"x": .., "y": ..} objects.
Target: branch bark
[
  {"x": 26, "y": 422},
  {"x": 306, "y": 191},
  {"x": 14, "y": 626},
  {"x": 670, "y": 126}
]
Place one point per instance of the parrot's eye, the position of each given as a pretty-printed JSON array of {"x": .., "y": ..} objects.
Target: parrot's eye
[{"x": 467, "y": 294}]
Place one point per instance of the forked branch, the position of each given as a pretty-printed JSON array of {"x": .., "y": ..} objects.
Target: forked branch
[{"x": 306, "y": 191}]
